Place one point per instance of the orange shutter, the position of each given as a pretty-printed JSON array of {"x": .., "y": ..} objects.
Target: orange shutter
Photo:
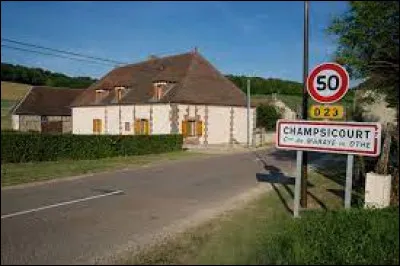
[
  {"x": 146, "y": 123},
  {"x": 94, "y": 126},
  {"x": 137, "y": 126},
  {"x": 199, "y": 128},
  {"x": 184, "y": 128},
  {"x": 99, "y": 127}
]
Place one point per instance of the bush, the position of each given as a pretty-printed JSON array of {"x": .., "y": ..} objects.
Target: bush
[
  {"x": 267, "y": 115},
  {"x": 25, "y": 147}
]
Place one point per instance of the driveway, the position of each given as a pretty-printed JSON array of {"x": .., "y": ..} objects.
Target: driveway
[{"x": 87, "y": 220}]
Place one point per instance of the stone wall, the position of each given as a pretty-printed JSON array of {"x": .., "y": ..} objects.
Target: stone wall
[
  {"x": 30, "y": 123},
  {"x": 33, "y": 122}
]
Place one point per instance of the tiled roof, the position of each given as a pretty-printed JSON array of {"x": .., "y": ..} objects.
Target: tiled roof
[
  {"x": 43, "y": 100},
  {"x": 195, "y": 80}
]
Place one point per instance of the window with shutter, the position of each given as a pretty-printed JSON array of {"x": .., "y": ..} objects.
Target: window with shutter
[
  {"x": 97, "y": 126},
  {"x": 137, "y": 126},
  {"x": 199, "y": 128},
  {"x": 142, "y": 126},
  {"x": 184, "y": 128}
]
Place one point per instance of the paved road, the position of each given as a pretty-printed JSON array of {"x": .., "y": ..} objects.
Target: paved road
[{"x": 119, "y": 208}]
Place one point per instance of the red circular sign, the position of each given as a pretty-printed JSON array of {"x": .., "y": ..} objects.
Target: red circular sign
[{"x": 328, "y": 83}]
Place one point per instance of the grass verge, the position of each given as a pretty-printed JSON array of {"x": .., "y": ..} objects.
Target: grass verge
[
  {"x": 18, "y": 173},
  {"x": 264, "y": 232}
]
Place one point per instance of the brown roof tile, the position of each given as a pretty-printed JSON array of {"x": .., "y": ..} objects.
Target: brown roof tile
[
  {"x": 197, "y": 82},
  {"x": 43, "y": 100}
]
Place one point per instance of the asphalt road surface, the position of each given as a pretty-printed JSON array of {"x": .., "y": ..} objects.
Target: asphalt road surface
[{"x": 82, "y": 220}]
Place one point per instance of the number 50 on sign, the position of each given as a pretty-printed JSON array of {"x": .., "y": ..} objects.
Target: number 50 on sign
[{"x": 323, "y": 111}]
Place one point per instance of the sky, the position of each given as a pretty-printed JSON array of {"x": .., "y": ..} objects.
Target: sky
[{"x": 262, "y": 39}]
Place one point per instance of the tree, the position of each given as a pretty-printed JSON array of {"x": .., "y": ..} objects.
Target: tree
[
  {"x": 38, "y": 76},
  {"x": 368, "y": 38},
  {"x": 267, "y": 115}
]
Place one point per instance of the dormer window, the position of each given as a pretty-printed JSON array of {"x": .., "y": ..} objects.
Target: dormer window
[
  {"x": 119, "y": 91},
  {"x": 159, "y": 89},
  {"x": 99, "y": 94}
]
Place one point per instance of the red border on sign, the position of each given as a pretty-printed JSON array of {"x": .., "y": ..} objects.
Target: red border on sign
[
  {"x": 373, "y": 153},
  {"x": 342, "y": 90}
]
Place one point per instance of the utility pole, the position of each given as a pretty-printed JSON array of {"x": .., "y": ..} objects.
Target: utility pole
[
  {"x": 303, "y": 199},
  {"x": 248, "y": 113}
]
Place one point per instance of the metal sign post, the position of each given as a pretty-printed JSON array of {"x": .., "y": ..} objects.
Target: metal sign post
[
  {"x": 248, "y": 113},
  {"x": 349, "y": 181},
  {"x": 304, "y": 170},
  {"x": 297, "y": 185}
]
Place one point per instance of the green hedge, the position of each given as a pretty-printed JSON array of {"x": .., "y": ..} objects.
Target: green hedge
[{"x": 26, "y": 147}]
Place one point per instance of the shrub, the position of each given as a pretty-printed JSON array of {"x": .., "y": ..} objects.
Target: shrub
[
  {"x": 267, "y": 115},
  {"x": 26, "y": 147}
]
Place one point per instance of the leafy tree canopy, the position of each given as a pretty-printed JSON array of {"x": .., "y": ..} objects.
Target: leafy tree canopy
[{"x": 368, "y": 44}]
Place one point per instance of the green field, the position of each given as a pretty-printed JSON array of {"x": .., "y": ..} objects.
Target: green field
[
  {"x": 6, "y": 106},
  {"x": 11, "y": 93}
]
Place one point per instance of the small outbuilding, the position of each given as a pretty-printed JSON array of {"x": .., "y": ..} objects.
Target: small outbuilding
[{"x": 45, "y": 109}]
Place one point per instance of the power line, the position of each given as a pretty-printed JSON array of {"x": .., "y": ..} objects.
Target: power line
[
  {"x": 61, "y": 51},
  {"x": 56, "y": 55}
]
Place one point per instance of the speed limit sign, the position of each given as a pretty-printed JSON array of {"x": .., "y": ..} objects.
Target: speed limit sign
[{"x": 328, "y": 83}]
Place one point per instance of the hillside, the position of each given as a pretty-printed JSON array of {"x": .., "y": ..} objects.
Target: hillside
[
  {"x": 262, "y": 86},
  {"x": 16, "y": 80},
  {"x": 38, "y": 76},
  {"x": 294, "y": 102},
  {"x": 11, "y": 93}
]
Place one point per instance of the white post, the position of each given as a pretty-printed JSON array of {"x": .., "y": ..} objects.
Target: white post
[
  {"x": 297, "y": 186},
  {"x": 349, "y": 179}
]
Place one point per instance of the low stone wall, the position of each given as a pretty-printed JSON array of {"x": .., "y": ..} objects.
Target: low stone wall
[{"x": 262, "y": 137}]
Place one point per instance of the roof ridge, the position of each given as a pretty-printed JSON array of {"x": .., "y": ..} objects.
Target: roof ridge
[
  {"x": 14, "y": 109},
  {"x": 154, "y": 60},
  {"x": 55, "y": 88}
]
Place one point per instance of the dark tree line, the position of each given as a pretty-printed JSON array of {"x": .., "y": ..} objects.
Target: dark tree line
[
  {"x": 38, "y": 76},
  {"x": 267, "y": 86},
  {"x": 41, "y": 77}
]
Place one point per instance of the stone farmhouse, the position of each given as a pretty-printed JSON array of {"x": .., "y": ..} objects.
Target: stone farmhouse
[{"x": 179, "y": 94}]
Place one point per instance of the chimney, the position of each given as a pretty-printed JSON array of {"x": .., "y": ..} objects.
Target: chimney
[{"x": 195, "y": 50}]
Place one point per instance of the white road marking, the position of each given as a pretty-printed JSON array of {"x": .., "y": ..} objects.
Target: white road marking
[{"x": 59, "y": 204}]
